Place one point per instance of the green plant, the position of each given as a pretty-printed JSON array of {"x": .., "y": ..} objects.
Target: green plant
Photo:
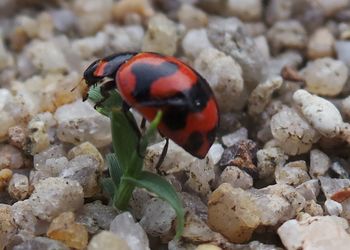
[{"x": 125, "y": 168}]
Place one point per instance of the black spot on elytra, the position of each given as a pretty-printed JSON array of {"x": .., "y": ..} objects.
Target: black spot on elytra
[
  {"x": 211, "y": 135},
  {"x": 194, "y": 142},
  {"x": 146, "y": 74}
]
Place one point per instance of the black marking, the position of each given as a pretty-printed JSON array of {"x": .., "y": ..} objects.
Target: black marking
[
  {"x": 111, "y": 68},
  {"x": 146, "y": 74},
  {"x": 175, "y": 118},
  {"x": 211, "y": 135},
  {"x": 194, "y": 142}
]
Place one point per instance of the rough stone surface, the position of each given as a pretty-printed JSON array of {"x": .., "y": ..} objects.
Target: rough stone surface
[{"x": 107, "y": 241}]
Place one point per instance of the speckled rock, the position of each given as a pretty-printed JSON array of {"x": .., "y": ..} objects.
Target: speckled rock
[
  {"x": 41, "y": 243},
  {"x": 107, "y": 241},
  {"x": 262, "y": 94},
  {"x": 322, "y": 114},
  {"x": 269, "y": 159},
  {"x": 288, "y": 34},
  {"x": 79, "y": 122},
  {"x": 278, "y": 10},
  {"x": 331, "y": 186},
  {"x": 309, "y": 189},
  {"x": 293, "y": 173},
  {"x": 321, "y": 44},
  {"x": 161, "y": 35},
  {"x": 224, "y": 75},
  {"x": 231, "y": 139},
  {"x": 325, "y": 76},
  {"x": 294, "y": 134},
  {"x": 86, "y": 148},
  {"x": 24, "y": 217},
  {"x": 55, "y": 195}
]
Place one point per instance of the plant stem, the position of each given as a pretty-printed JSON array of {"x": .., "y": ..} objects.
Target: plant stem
[{"x": 122, "y": 197}]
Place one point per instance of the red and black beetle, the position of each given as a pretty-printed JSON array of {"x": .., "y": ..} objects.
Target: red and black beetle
[{"x": 149, "y": 82}]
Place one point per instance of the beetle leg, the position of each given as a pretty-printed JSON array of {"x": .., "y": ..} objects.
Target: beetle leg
[
  {"x": 125, "y": 108},
  {"x": 143, "y": 125},
  {"x": 162, "y": 155}
]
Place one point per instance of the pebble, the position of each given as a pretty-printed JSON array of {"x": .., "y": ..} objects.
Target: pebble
[
  {"x": 10, "y": 157},
  {"x": 289, "y": 58},
  {"x": 293, "y": 134},
  {"x": 7, "y": 225},
  {"x": 232, "y": 213},
  {"x": 63, "y": 19},
  {"x": 46, "y": 57},
  {"x": 125, "y": 227},
  {"x": 289, "y": 34},
  {"x": 313, "y": 209},
  {"x": 64, "y": 228},
  {"x": 331, "y": 8},
  {"x": 325, "y": 76},
  {"x": 268, "y": 159},
  {"x": 83, "y": 169},
  {"x": 49, "y": 156},
  {"x": 309, "y": 189},
  {"x": 126, "y": 38},
  {"x": 161, "y": 35},
  {"x": 122, "y": 8},
  {"x": 208, "y": 247},
  {"x": 201, "y": 174},
  {"x": 331, "y": 186},
  {"x": 95, "y": 216},
  {"x": 6, "y": 59},
  {"x": 41, "y": 243},
  {"x": 41, "y": 132},
  {"x": 321, "y": 114},
  {"x": 18, "y": 186},
  {"x": 262, "y": 95},
  {"x": 333, "y": 208},
  {"x": 86, "y": 148},
  {"x": 158, "y": 218},
  {"x": 5, "y": 177},
  {"x": 87, "y": 47},
  {"x": 242, "y": 155},
  {"x": 319, "y": 163},
  {"x": 342, "y": 51},
  {"x": 138, "y": 202},
  {"x": 236, "y": 178},
  {"x": 107, "y": 241},
  {"x": 278, "y": 10},
  {"x": 234, "y": 137},
  {"x": 215, "y": 152},
  {"x": 249, "y": 10},
  {"x": 55, "y": 195},
  {"x": 24, "y": 217},
  {"x": 293, "y": 173},
  {"x": 309, "y": 233},
  {"x": 321, "y": 44},
  {"x": 192, "y": 17},
  {"x": 194, "y": 41},
  {"x": 224, "y": 75},
  {"x": 79, "y": 122},
  {"x": 227, "y": 36},
  {"x": 17, "y": 136},
  {"x": 92, "y": 15}
]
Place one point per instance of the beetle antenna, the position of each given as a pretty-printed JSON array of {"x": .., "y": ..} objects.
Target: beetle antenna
[{"x": 76, "y": 86}]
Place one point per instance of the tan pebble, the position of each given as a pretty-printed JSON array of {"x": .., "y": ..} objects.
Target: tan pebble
[
  {"x": 208, "y": 247},
  {"x": 63, "y": 228},
  {"x": 122, "y": 8},
  {"x": 107, "y": 241},
  {"x": 321, "y": 44},
  {"x": 86, "y": 148},
  {"x": 5, "y": 177}
]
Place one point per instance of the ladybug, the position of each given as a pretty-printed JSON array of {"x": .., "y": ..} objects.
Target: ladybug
[{"x": 149, "y": 82}]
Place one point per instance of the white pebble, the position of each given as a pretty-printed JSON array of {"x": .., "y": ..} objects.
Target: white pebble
[
  {"x": 232, "y": 138},
  {"x": 18, "y": 187},
  {"x": 321, "y": 44},
  {"x": 292, "y": 132},
  {"x": 320, "y": 113},
  {"x": 333, "y": 208},
  {"x": 247, "y": 10},
  {"x": 195, "y": 41},
  {"x": 224, "y": 75},
  {"x": 325, "y": 76},
  {"x": 319, "y": 163},
  {"x": 192, "y": 17}
]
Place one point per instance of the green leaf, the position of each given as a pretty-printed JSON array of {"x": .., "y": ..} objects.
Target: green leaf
[
  {"x": 115, "y": 170},
  {"x": 108, "y": 186},
  {"x": 150, "y": 133},
  {"x": 124, "y": 139},
  {"x": 165, "y": 191},
  {"x": 113, "y": 101}
]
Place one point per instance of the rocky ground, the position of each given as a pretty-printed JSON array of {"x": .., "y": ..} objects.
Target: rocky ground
[{"x": 278, "y": 175}]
